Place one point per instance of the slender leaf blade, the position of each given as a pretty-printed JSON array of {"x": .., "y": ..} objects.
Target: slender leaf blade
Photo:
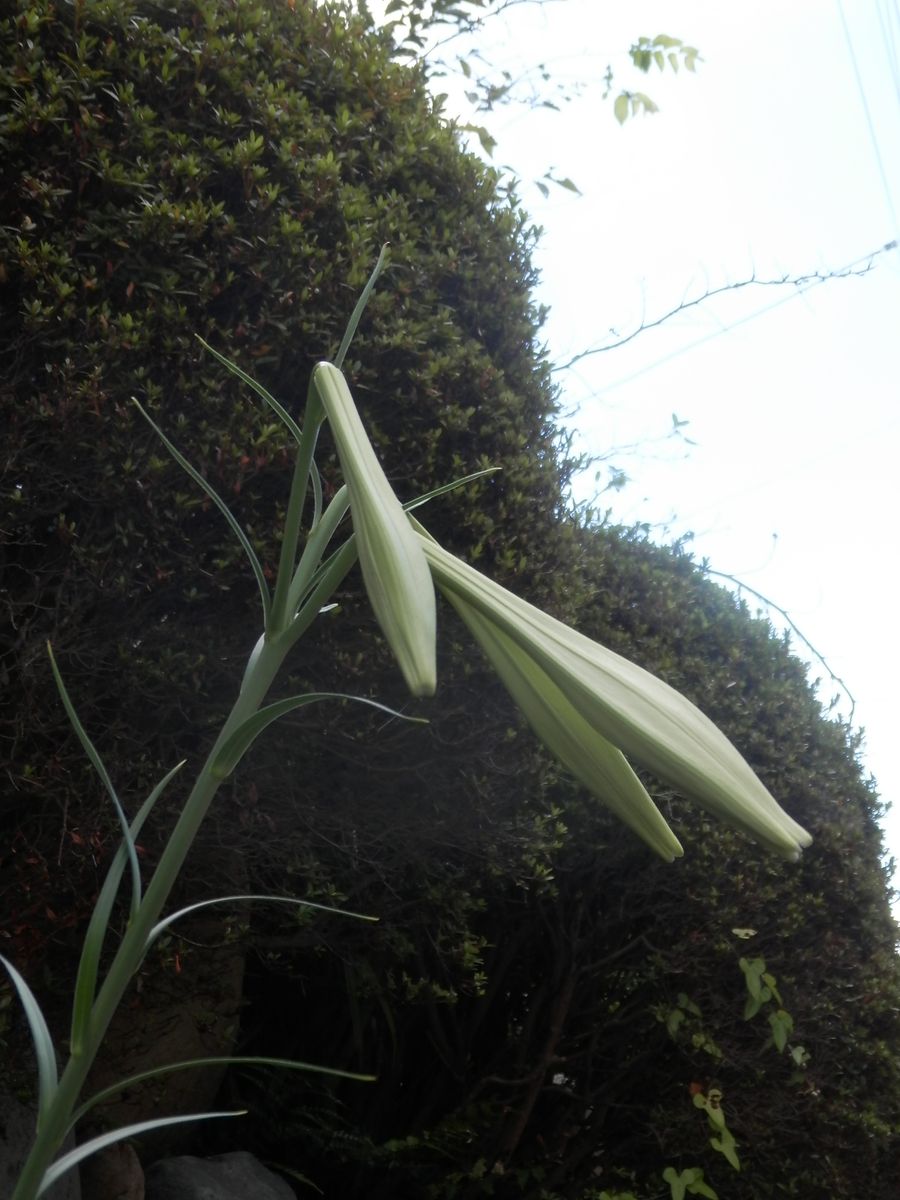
[
  {"x": 40, "y": 1037},
  {"x": 446, "y": 488},
  {"x": 360, "y": 308},
  {"x": 245, "y": 735},
  {"x": 232, "y": 1060},
  {"x": 278, "y": 409},
  {"x": 86, "y": 1149},
  {"x": 220, "y": 505},
  {"x": 86, "y": 980},
  {"x": 183, "y": 912},
  {"x": 98, "y": 766}
]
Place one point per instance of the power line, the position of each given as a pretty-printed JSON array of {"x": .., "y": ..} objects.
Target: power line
[
  {"x": 869, "y": 121},
  {"x": 890, "y": 46}
]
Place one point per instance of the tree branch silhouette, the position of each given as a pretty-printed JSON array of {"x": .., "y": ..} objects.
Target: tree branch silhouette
[
  {"x": 792, "y": 625},
  {"x": 800, "y": 282}
]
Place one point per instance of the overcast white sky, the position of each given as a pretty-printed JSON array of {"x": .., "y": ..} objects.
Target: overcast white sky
[{"x": 780, "y": 156}]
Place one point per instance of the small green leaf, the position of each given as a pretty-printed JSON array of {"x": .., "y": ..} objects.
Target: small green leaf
[
  {"x": 753, "y": 969},
  {"x": 644, "y": 101},
  {"x": 568, "y": 185},
  {"x": 782, "y": 1025},
  {"x": 693, "y": 1177},
  {"x": 487, "y": 141},
  {"x": 676, "y": 1183},
  {"x": 620, "y": 108},
  {"x": 726, "y": 1145},
  {"x": 673, "y": 1021}
]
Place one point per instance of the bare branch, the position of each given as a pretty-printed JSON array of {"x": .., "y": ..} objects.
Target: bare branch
[
  {"x": 770, "y": 604},
  {"x": 800, "y": 282}
]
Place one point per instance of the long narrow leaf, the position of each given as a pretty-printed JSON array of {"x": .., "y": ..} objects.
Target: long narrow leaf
[
  {"x": 40, "y": 1036},
  {"x": 245, "y": 735},
  {"x": 86, "y": 1149},
  {"x": 220, "y": 505},
  {"x": 280, "y": 411},
  {"x": 448, "y": 487},
  {"x": 316, "y": 480},
  {"x": 98, "y": 766},
  {"x": 329, "y": 574},
  {"x": 86, "y": 982},
  {"x": 322, "y": 587},
  {"x": 304, "y": 473},
  {"x": 288, "y": 1064},
  {"x": 315, "y": 547},
  {"x": 360, "y": 307},
  {"x": 183, "y": 912}
]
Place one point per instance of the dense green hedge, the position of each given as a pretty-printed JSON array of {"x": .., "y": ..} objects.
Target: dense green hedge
[
  {"x": 227, "y": 169},
  {"x": 231, "y": 168},
  {"x": 553, "y": 1001}
]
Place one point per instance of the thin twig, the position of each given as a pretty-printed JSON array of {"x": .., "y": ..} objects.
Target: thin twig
[
  {"x": 800, "y": 282},
  {"x": 817, "y": 654}
]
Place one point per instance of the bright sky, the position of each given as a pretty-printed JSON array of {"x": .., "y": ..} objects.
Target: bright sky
[{"x": 780, "y": 156}]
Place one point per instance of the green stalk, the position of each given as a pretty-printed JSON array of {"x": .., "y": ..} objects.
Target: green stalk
[{"x": 55, "y": 1124}]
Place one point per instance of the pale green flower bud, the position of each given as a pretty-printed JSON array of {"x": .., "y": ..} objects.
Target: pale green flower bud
[
  {"x": 594, "y": 762},
  {"x": 395, "y": 571},
  {"x": 646, "y": 719}
]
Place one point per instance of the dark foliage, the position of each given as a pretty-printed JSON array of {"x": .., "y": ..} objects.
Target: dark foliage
[
  {"x": 227, "y": 169},
  {"x": 231, "y": 168}
]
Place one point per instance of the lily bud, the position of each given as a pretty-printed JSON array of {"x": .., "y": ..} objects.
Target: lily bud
[
  {"x": 594, "y": 761},
  {"x": 646, "y": 719},
  {"x": 394, "y": 568}
]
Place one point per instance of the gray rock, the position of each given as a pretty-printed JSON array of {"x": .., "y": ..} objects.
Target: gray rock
[
  {"x": 113, "y": 1174},
  {"x": 16, "y": 1135},
  {"x": 237, "y": 1176}
]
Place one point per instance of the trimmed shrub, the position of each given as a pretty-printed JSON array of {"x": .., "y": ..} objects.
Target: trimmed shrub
[{"x": 230, "y": 168}]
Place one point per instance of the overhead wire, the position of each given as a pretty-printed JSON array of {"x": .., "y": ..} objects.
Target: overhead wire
[
  {"x": 890, "y": 43},
  {"x": 869, "y": 121}
]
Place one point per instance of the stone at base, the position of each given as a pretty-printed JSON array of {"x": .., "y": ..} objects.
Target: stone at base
[
  {"x": 16, "y": 1135},
  {"x": 237, "y": 1176}
]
